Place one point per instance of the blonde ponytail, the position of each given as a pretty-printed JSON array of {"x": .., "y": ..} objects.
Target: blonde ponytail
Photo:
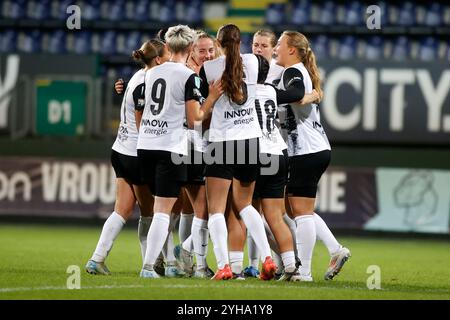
[
  {"x": 307, "y": 57},
  {"x": 313, "y": 70}
]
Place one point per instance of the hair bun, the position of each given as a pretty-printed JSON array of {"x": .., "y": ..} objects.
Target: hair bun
[{"x": 138, "y": 55}]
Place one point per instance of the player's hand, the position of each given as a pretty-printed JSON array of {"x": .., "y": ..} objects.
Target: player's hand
[
  {"x": 319, "y": 96},
  {"x": 215, "y": 89},
  {"x": 118, "y": 86},
  {"x": 315, "y": 95}
]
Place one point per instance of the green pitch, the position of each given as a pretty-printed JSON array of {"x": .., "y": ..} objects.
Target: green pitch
[{"x": 34, "y": 261}]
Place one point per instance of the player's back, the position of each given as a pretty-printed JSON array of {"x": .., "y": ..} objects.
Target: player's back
[
  {"x": 266, "y": 106},
  {"x": 164, "y": 113},
  {"x": 127, "y": 134},
  {"x": 232, "y": 121},
  {"x": 306, "y": 134}
]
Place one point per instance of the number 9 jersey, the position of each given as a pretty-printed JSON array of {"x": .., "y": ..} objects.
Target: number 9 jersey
[{"x": 167, "y": 88}]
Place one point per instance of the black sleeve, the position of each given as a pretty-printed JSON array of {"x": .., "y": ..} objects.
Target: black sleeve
[
  {"x": 125, "y": 84},
  {"x": 139, "y": 97},
  {"x": 204, "y": 87},
  {"x": 192, "y": 89},
  {"x": 295, "y": 88}
]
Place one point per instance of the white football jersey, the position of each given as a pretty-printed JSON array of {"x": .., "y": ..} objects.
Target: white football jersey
[
  {"x": 275, "y": 72},
  {"x": 231, "y": 121},
  {"x": 197, "y": 140},
  {"x": 164, "y": 113},
  {"x": 266, "y": 106},
  {"x": 301, "y": 125},
  {"x": 127, "y": 135}
]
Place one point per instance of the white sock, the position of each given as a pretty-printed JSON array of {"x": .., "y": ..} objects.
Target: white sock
[
  {"x": 255, "y": 227},
  {"x": 188, "y": 243},
  {"x": 184, "y": 229},
  {"x": 253, "y": 254},
  {"x": 292, "y": 227},
  {"x": 110, "y": 231},
  {"x": 288, "y": 258},
  {"x": 219, "y": 237},
  {"x": 271, "y": 238},
  {"x": 325, "y": 234},
  {"x": 200, "y": 237},
  {"x": 157, "y": 235},
  {"x": 278, "y": 261},
  {"x": 236, "y": 261},
  {"x": 306, "y": 239},
  {"x": 167, "y": 250},
  {"x": 143, "y": 226}
]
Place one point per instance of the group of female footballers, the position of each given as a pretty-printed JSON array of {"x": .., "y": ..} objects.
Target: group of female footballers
[{"x": 232, "y": 141}]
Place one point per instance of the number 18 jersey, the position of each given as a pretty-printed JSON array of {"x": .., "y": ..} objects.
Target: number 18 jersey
[
  {"x": 167, "y": 88},
  {"x": 266, "y": 106}
]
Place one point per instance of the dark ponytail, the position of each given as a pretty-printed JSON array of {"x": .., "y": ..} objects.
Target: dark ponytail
[
  {"x": 139, "y": 56},
  {"x": 149, "y": 51},
  {"x": 229, "y": 37}
]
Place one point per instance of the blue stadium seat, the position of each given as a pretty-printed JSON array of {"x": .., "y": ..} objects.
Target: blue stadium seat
[
  {"x": 321, "y": 47},
  {"x": 57, "y": 42},
  {"x": 434, "y": 15},
  {"x": 61, "y": 14},
  {"x": 108, "y": 43},
  {"x": 246, "y": 42},
  {"x": 327, "y": 15},
  {"x": 401, "y": 49},
  {"x": 29, "y": 41},
  {"x": 384, "y": 13},
  {"x": 347, "y": 48},
  {"x": 126, "y": 72},
  {"x": 374, "y": 48},
  {"x": 82, "y": 42},
  {"x": 121, "y": 47},
  {"x": 355, "y": 14},
  {"x": 133, "y": 41},
  {"x": 276, "y": 13},
  {"x": 167, "y": 12},
  {"x": 91, "y": 9},
  {"x": 193, "y": 10},
  {"x": 428, "y": 49},
  {"x": 17, "y": 9},
  {"x": 142, "y": 10},
  {"x": 8, "y": 41},
  {"x": 116, "y": 10},
  {"x": 406, "y": 14},
  {"x": 447, "y": 53},
  {"x": 39, "y": 10},
  {"x": 446, "y": 15},
  {"x": 129, "y": 10},
  {"x": 301, "y": 12}
]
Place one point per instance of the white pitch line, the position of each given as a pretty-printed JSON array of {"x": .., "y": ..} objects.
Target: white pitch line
[
  {"x": 164, "y": 286},
  {"x": 191, "y": 286},
  {"x": 50, "y": 288}
]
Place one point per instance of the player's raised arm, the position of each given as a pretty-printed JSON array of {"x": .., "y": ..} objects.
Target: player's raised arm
[{"x": 195, "y": 111}]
